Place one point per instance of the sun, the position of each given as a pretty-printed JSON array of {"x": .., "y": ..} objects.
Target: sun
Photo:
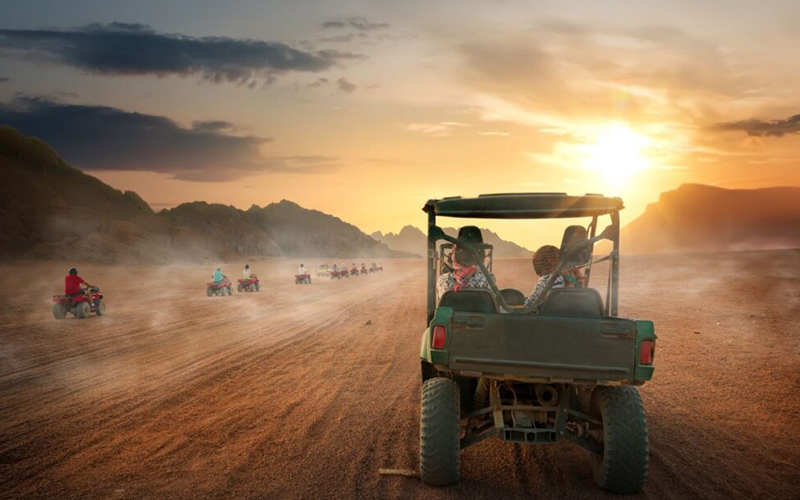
[{"x": 617, "y": 153}]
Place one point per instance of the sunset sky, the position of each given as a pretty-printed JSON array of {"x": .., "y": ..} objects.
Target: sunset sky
[{"x": 367, "y": 109}]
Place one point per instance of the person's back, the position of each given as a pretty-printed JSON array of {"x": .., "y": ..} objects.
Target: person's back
[
  {"x": 465, "y": 273},
  {"x": 302, "y": 270},
  {"x": 72, "y": 284},
  {"x": 545, "y": 262},
  {"x": 218, "y": 276},
  {"x": 247, "y": 273}
]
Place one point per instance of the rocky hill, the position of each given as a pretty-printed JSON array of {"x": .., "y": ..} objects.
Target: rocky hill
[
  {"x": 50, "y": 210},
  {"x": 703, "y": 218},
  {"x": 412, "y": 240}
]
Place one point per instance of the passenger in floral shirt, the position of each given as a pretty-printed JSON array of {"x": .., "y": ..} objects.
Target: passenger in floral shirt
[
  {"x": 545, "y": 261},
  {"x": 466, "y": 273}
]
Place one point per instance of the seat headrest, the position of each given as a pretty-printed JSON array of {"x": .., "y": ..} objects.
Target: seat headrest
[
  {"x": 471, "y": 300},
  {"x": 572, "y": 236},
  {"x": 513, "y": 297},
  {"x": 573, "y": 303}
]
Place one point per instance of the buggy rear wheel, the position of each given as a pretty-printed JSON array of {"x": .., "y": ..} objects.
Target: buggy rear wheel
[
  {"x": 439, "y": 432},
  {"x": 623, "y": 466},
  {"x": 82, "y": 310},
  {"x": 59, "y": 311},
  {"x": 100, "y": 308}
]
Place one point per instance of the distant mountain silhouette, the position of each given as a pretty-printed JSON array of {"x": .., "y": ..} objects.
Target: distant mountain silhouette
[
  {"x": 697, "y": 217},
  {"x": 50, "y": 210},
  {"x": 412, "y": 240}
]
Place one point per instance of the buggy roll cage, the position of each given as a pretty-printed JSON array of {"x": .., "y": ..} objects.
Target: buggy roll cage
[{"x": 528, "y": 206}]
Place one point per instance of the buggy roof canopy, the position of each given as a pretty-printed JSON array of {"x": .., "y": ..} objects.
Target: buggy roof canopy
[{"x": 525, "y": 206}]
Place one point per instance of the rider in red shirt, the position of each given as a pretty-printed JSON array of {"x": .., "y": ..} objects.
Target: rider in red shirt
[{"x": 73, "y": 282}]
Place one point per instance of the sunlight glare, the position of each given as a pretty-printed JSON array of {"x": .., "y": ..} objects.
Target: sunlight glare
[{"x": 617, "y": 154}]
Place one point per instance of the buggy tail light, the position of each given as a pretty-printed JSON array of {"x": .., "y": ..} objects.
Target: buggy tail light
[
  {"x": 647, "y": 350},
  {"x": 439, "y": 337}
]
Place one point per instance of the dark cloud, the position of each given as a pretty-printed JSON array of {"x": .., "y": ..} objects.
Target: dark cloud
[
  {"x": 761, "y": 128},
  {"x": 359, "y": 23},
  {"x": 345, "y": 85},
  {"x": 4, "y": 79},
  {"x": 136, "y": 49},
  {"x": 319, "y": 82},
  {"x": 212, "y": 125},
  {"x": 105, "y": 138}
]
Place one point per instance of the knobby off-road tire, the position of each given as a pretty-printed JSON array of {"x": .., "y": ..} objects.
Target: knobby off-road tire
[
  {"x": 239, "y": 287},
  {"x": 481, "y": 395},
  {"x": 100, "y": 310},
  {"x": 439, "y": 432},
  {"x": 258, "y": 287},
  {"x": 59, "y": 311},
  {"x": 82, "y": 310},
  {"x": 623, "y": 466},
  {"x": 209, "y": 292}
]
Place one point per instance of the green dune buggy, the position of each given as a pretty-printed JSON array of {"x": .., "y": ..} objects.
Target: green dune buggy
[{"x": 563, "y": 367}]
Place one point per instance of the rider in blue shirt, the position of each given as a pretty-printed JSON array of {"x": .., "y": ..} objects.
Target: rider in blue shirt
[{"x": 218, "y": 276}]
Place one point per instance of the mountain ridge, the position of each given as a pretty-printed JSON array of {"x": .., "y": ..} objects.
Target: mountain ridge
[{"x": 51, "y": 210}]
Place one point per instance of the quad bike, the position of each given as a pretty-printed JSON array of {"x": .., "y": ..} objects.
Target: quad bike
[
  {"x": 223, "y": 287},
  {"x": 302, "y": 279},
  {"x": 324, "y": 270},
  {"x": 79, "y": 305},
  {"x": 563, "y": 368},
  {"x": 379, "y": 268},
  {"x": 249, "y": 284},
  {"x": 354, "y": 271},
  {"x": 364, "y": 270},
  {"x": 373, "y": 269}
]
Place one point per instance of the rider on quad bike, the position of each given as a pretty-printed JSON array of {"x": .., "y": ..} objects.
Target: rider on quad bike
[
  {"x": 72, "y": 285},
  {"x": 247, "y": 273}
]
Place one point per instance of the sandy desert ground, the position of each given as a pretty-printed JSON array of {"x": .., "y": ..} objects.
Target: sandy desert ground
[{"x": 290, "y": 393}]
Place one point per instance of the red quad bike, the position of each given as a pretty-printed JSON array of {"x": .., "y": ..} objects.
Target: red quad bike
[
  {"x": 364, "y": 270},
  {"x": 354, "y": 271},
  {"x": 302, "y": 279},
  {"x": 78, "y": 305},
  {"x": 224, "y": 287},
  {"x": 249, "y": 285}
]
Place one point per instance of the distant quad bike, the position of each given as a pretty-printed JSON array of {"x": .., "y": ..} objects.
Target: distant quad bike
[
  {"x": 566, "y": 367},
  {"x": 379, "y": 268},
  {"x": 364, "y": 270},
  {"x": 302, "y": 279},
  {"x": 373, "y": 268},
  {"x": 354, "y": 271},
  {"x": 78, "y": 305},
  {"x": 325, "y": 270},
  {"x": 223, "y": 287},
  {"x": 249, "y": 285}
]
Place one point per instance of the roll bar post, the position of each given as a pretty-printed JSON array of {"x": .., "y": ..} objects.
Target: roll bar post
[{"x": 431, "y": 265}]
